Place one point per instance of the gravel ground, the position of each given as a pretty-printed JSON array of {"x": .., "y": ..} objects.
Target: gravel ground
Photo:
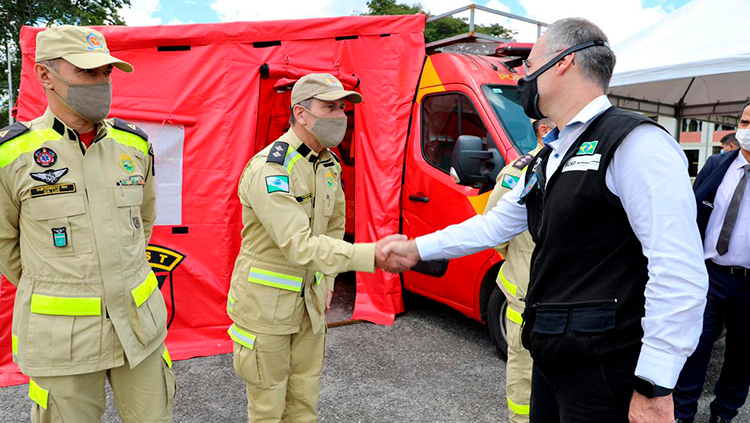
[{"x": 432, "y": 365}]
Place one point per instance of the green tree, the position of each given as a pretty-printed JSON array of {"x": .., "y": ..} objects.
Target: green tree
[
  {"x": 437, "y": 30},
  {"x": 14, "y": 14}
]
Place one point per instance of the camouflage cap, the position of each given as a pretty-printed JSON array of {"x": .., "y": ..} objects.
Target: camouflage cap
[
  {"x": 84, "y": 47},
  {"x": 322, "y": 86}
]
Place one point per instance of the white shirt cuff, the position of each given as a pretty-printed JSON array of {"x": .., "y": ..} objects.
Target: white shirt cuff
[
  {"x": 428, "y": 247},
  {"x": 661, "y": 368}
]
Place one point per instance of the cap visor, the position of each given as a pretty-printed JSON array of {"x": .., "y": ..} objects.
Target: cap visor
[
  {"x": 94, "y": 60},
  {"x": 350, "y": 96}
]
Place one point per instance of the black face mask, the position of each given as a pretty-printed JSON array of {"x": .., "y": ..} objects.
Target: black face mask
[{"x": 527, "y": 88}]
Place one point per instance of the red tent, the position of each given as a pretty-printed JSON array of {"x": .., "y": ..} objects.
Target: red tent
[{"x": 210, "y": 96}]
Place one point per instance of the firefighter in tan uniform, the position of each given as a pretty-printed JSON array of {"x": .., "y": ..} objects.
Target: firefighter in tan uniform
[
  {"x": 513, "y": 280},
  {"x": 292, "y": 249},
  {"x": 77, "y": 207}
]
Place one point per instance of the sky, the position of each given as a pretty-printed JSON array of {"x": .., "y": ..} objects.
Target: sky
[{"x": 618, "y": 18}]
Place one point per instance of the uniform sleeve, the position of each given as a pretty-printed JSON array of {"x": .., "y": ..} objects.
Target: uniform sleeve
[
  {"x": 10, "y": 249},
  {"x": 337, "y": 227},
  {"x": 288, "y": 225},
  {"x": 148, "y": 208}
]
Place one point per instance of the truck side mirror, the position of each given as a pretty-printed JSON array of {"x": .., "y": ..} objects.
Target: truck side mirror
[{"x": 473, "y": 166}]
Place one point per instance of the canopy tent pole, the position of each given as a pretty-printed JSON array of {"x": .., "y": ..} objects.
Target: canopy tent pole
[{"x": 10, "y": 83}]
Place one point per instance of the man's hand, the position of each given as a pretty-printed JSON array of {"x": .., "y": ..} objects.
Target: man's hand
[
  {"x": 651, "y": 410},
  {"x": 393, "y": 263},
  {"x": 329, "y": 297}
]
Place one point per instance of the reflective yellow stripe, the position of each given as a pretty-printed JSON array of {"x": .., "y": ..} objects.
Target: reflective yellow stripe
[
  {"x": 230, "y": 303},
  {"x": 63, "y": 306},
  {"x": 131, "y": 140},
  {"x": 518, "y": 409},
  {"x": 276, "y": 280},
  {"x": 318, "y": 277},
  {"x": 38, "y": 394},
  {"x": 25, "y": 143},
  {"x": 14, "y": 343},
  {"x": 145, "y": 289},
  {"x": 291, "y": 158},
  {"x": 514, "y": 316},
  {"x": 166, "y": 357},
  {"x": 512, "y": 289},
  {"x": 241, "y": 337}
]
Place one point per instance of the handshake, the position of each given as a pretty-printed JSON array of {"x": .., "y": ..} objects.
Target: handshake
[{"x": 396, "y": 253}]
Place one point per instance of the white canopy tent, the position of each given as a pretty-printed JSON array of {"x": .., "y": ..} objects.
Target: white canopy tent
[{"x": 695, "y": 63}]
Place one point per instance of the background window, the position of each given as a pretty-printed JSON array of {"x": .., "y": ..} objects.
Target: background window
[
  {"x": 692, "y": 157},
  {"x": 444, "y": 118}
]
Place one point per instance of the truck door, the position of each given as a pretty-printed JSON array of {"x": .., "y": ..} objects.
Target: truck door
[{"x": 432, "y": 201}]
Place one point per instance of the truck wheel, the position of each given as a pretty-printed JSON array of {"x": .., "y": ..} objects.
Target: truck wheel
[{"x": 496, "y": 322}]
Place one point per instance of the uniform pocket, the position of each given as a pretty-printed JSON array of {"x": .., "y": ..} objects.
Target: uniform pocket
[
  {"x": 64, "y": 329},
  {"x": 129, "y": 200},
  {"x": 62, "y": 225},
  {"x": 147, "y": 313}
]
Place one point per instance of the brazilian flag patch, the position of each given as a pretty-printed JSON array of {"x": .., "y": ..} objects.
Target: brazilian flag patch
[
  {"x": 509, "y": 181},
  {"x": 587, "y": 148},
  {"x": 277, "y": 183}
]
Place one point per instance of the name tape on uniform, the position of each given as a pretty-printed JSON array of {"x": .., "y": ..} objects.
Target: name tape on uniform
[
  {"x": 583, "y": 163},
  {"x": 45, "y": 190}
]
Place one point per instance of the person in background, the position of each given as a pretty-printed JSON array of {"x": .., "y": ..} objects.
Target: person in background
[
  {"x": 723, "y": 200},
  {"x": 729, "y": 143},
  {"x": 513, "y": 281}
]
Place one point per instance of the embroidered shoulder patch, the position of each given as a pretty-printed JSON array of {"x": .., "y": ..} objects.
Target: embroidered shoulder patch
[
  {"x": 587, "y": 148},
  {"x": 522, "y": 162},
  {"x": 278, "y": 183},
  {"x": 509, "y": 181},
  {"x": 277, "y": 153},
  {"x": 13, "y": 131},
  {"x": 129, "y": 127}
]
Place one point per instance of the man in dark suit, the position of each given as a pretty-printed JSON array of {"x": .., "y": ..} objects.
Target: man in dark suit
[{"x": 724, "y": 221}]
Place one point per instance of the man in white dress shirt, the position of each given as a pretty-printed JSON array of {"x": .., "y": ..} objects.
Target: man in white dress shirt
[
  {"x": 618, "y": 282},
  {"x": 723, "y": 201}
]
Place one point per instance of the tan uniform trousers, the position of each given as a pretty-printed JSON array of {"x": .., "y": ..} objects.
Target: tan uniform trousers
[
  {"x": 282, "y": 374},
  {"x": 144, "y": 394},
  {"x": 518, "y": 381}
]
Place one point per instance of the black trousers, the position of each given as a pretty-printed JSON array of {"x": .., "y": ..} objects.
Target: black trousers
[
  {"x": 594, "y": 393},
  {"x": 728, "y": 303}
]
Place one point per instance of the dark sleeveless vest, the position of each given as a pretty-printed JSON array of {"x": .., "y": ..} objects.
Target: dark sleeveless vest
[{"x": 588, "y": 272}]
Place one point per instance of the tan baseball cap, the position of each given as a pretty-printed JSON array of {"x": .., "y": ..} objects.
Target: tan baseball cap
[
  {"x": 84, "y": 47},
  {"x": 322, "y": 86}
]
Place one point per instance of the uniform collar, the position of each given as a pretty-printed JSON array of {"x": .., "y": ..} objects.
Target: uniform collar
[
  {"x": 739, "y": 161},
  {"x": 51, "y": 121},
  {"x": 303, "y": 149}
]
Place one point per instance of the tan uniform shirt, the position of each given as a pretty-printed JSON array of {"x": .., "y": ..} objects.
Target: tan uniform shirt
[
  {"x": 73, "y": 234},
  {"x": 294, "y": 216},
  {"x": 514, "y": 275}
]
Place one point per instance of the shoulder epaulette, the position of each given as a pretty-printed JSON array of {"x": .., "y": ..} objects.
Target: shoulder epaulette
[
  {"x": 335, "y": 157},
  {"x": 13, "y": 131},
  {"x": 522, "y": 162},
  {"x": 278, "y": 153},
  {"x": 129, "y": 127}
]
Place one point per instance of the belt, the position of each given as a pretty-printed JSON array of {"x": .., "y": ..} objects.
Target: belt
[{"x": 730, "y": 270}]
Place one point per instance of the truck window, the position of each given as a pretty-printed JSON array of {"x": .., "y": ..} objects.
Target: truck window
[
  {"x": 506, "y": 104},
  {"x": 444, "y": 118}
]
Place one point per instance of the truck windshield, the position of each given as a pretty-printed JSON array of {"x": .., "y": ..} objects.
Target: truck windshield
[{"x": 507, "y": 107}]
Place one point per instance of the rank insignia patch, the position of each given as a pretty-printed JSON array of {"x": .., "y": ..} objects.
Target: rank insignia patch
[
  {"x": 523, "y": 161},
  {"x": 50, "y": 177},
  {"x": 587, "y": 148},
  {"x": 60, "y": 237},
  {"x": 126, "y": 163},
  {"x": 45, "y": 157},
  {"x": 510, "y": 181},
  {"x": 277, "y": 183},
  {"x": 44, "y": 190}
]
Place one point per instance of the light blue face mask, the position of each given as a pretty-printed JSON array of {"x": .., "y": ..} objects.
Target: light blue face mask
[{"x": 722, "y": 152}]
